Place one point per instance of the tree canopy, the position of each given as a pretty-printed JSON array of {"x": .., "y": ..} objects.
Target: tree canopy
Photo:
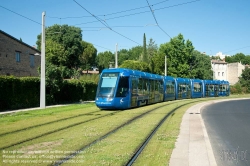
[
  {"x": 245, "y": 78},
  {"x": 135, "y": 65},
  {"x": 105, "y": 59},
  {"x": 88, "y": 56},
  {"x": 239, "y": 57},
  {"x": 67, "y": 37},
  {"x": 179, "y": 54}
]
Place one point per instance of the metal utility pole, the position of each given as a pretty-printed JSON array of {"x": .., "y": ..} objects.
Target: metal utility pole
[
  {"x": 116, "y": 59},
  {"x": 165, "y": 65},
  {"x": 42, "y": 81}
]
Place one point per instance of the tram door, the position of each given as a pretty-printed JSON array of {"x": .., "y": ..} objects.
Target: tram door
[
  {"x": 188, "y": 86},
  {"x": 134, "y": 91},
  {"x": 216, "y": 90}
]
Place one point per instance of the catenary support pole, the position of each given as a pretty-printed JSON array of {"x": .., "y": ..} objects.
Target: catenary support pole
[
  {"x": 116, "y": 58},
  {"x": 42, "y": 81},
  {"x": 165, "y": 65}
]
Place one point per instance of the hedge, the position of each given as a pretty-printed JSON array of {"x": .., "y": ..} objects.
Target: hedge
[{"x": 24, "y": 92}]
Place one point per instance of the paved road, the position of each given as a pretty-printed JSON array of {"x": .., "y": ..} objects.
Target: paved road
[{"x": 228, "y": 128}]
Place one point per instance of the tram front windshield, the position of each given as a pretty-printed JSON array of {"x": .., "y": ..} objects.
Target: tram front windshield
[{"x": 106, "y": 87}]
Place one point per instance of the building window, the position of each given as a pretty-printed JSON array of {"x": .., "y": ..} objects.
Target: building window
[
  {"x": 222, "y": 73},
  {"x": 32, "y": 60},
  {"x": 18, "y": 57},
  {"x": 218, "y": 73}
]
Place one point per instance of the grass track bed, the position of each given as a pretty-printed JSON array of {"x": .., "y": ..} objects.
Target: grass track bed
[
  {"x": 73, "y": 138},
  {"x": 33, "y": 133},
  {"x": 121, "y": 145},
  {"x": 23, "y": 120},
  {"x": 115, "y": 149}
]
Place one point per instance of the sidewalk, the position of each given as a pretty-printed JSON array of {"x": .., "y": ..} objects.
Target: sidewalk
[
  {"x": 37, "y": 108},
  {"x": 28, "y": 109},
  {"x": 192, "y": 147}
]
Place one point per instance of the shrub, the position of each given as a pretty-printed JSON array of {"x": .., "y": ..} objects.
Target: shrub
[{"x": 24, "y": 92}]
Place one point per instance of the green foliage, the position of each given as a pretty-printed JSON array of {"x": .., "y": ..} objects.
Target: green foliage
[
  {"x": 238, "y": 89},
  {"x": 55, "y": 53},
  {"x": 123, "y": 55},
  {"x": 135, "y": 53},
  {"x": 179, "y": 54},
  {"x": 104, "y": 59},
  {"x": 151, "y": 48},
  {"x": 74, "y": 91},
  {"x": 135, "y": 65},
  {"x": 144, "y": 54},
  {"x": 88, "y": 56},
  {"x": 24, "y": 92},
  {"x": 19, "y": 93},
  {"x": 68, "y": 40},
  {"x": 243, "y": 86},
  {"x": 200, "y": 66},
  {"x": 239, "y": 57},
  {"x": 245, "y": 79},
  {"x": 90, "y": 77}
]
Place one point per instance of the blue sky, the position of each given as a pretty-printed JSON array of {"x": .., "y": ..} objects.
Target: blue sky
[{"x": 212, "y": 25}]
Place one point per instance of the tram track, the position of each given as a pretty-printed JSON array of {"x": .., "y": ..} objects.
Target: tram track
[
  {"x": 151, "y": 134},
  {"x": 47, "y": 123},
  {"x": 54, "y": 131},
  {"x": 76, "y": 152}
]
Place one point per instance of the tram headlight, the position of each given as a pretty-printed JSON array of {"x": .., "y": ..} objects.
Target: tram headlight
[{"x": 110, "y": 99}]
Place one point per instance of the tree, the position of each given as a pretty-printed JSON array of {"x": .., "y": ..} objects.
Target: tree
[
  {"x": 88, "y": 55},
  {"x": 230, "y": 59},
  {"x": 55, "y": 53},
  {"x": 69, "y": 37},
  {"x": 200, "y": 66},
  {"x": 135, "y": 53},
  {"x": 179, "y": 53},
  {"x": 247, "y": 60},
  {"x": 104, "y": 59},
  {"x": 151, "y": 52},
  {"x": 239, "y": 57},
  {"x": 135, "y": 65},
  {"x": 245, "y": 78},
  {"x": 151, "y": 48},
  {"x": 123, "y": 55},
  {"x": 144, "y": 54}
]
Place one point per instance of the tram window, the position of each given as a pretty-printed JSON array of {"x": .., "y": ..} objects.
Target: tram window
[
  {"x": 170, "y": 87},
  {"x": 221, "y": 88},
  {"x": 140, "y": 86},
  {"x": 224, "y": 88},
  {"x": 182, "y": 87},
  {"x": 161, "y": 86},
  {"x": 211, "y": 88},
  {"x": 123, "y": 87},
  {"x": 197, "y": 87},
  {"x": 152, "y": 86},
  {"x": 134, "y": 86},
  {"x": 107, "y": 85}
]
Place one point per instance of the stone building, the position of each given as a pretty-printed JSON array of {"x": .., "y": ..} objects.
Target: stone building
[
  {"x": 18, "y": 58},
  {"x": 219, "y": 70},
  {"x": 227, "y": 71},
  {"x": 234, "y": 72}
]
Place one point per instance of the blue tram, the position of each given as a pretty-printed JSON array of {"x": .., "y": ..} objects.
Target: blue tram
[{"x": 124, "y": 88}]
